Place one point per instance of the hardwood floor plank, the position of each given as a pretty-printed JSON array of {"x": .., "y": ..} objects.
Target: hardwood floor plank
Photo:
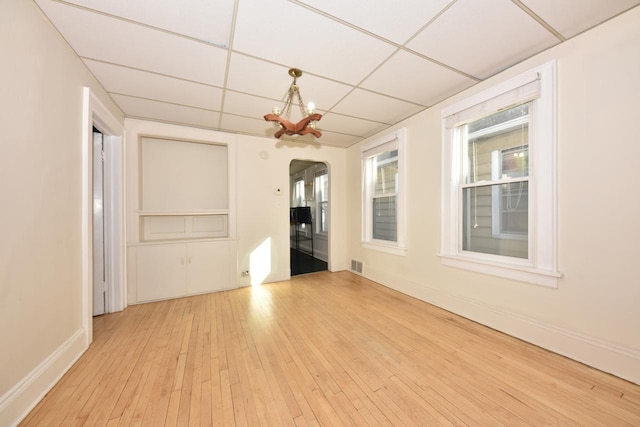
[
  {"x": 226, "y": 402},
  {"x": 326, "y": 349},
  {"x": 169, "y": 347},
  {"x": 206, "y": 407},
  {"x": 172, "y": 412},
  {"x": 133, "y": 361}
]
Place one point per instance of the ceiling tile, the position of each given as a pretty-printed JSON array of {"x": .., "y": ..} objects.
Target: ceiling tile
[
  {"x": 142, "y": 84},
  {"x": 334, "y": 139},
  {"x": 250, "y": 125},
  {"x": 204, "y": 20},
  {"x": 285, "y": 33},
  {"x": 349, "y": 125},
  {"x": 415, "y": 79},
  {"x": 376, "y": 16},
  {"x": 250, "y": 75},
  {"x": 247, "y": 105},
  {"x": 170, "y": 113},
  {"x": 137, "y": 46},
  {"x": 365, "y": 104},
  {"x": 482, "y": 38},
  {"x": 570, "y": 17}
]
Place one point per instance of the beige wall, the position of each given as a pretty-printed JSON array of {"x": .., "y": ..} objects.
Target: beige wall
[
  {"x": 40, "y": 184},
  {"x": 262, "y": 214},
  {"x": 593, "y": 316}
]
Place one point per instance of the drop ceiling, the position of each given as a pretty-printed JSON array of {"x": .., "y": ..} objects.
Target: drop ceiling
[{"x": 367, "y": 64}]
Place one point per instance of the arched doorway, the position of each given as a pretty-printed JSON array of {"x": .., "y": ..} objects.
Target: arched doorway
[{"x": 309, "y": 216}]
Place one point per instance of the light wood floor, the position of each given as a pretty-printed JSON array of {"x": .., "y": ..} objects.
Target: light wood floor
[{"x": 327, "y": 349}]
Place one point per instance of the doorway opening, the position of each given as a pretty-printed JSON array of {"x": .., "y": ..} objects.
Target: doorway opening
[
  {"x": 106, "y": 232},
  {"x": 103, "y": 203},
  {"x": 309, "y": 216},
  {"x": 99, "y": 260}
]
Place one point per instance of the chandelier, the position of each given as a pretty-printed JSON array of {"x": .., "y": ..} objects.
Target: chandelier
[{"x": 281, "y": 116}]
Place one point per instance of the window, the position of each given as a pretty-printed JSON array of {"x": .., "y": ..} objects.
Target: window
[
  {"x": 499, "y": 180},
  {"x": 383, "y": 193},
  {"x": 299, "y": 199},
  {"x": 298, "y": 192},
  {"x": 322, "y": 199},
  {"x": 510, "y": 204},
  {"x": 495, "y": 183}
]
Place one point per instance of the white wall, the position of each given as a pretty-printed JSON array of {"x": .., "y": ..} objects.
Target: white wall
[
  {"x": 261, "y": 167},
  {"x": 40, "y": 182},
  {"x": 593, "y": 316},
  {"x": 263, "y": 215}
]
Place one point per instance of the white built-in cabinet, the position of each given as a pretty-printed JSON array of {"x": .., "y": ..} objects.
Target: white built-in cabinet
[
  {"x": 183, "y": 241},
  {"x": 178, "y": 269}
]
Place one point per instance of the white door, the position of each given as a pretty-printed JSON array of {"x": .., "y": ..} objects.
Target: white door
[{"x": 99, "y": 278}]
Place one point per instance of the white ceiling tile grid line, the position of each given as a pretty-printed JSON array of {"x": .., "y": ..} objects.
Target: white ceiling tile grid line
[{"x": 367, "y": 64}]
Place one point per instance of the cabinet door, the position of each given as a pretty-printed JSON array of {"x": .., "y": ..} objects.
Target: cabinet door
[
  {"x": 212, "y": 266},
  {"x": 162, "y": 272}
]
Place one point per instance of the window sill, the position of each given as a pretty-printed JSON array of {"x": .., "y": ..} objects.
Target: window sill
[
  {"x": 381, "y": 247},
  {"x": 531, "y": 275}
]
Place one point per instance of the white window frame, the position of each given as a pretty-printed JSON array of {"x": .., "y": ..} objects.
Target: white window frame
[
  {"x": 298, "y": 195},
  {"x": 389, "y": 142},
  {"x": 320, "y": 202},
  {"x": 539, "y": 87},
  {"x": 299, "y": 199}
]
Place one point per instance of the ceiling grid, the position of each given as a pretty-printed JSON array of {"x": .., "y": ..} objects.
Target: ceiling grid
[{"x": 367, "y": 64}]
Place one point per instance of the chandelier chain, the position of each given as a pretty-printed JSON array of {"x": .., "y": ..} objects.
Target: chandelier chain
[{"x": 306, "y": 125}]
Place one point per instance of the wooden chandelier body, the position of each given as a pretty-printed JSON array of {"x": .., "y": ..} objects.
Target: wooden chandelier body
[{"x": 304, "y": 126}]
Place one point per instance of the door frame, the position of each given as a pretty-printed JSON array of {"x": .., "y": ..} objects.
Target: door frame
[
  {"x": 95, "y": 114},
  {"x": 99, "y": 225},
  {"x": 329, "y": 234}
]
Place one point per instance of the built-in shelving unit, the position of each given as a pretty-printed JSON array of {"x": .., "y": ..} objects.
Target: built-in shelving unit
[{"x": 184, "y": 246}]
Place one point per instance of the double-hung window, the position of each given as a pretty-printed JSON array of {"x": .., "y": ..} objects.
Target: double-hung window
[
  {"x": 383, "y": 191},
  {"x": 298, "y": 192},
  {"x": 321, "y": 185},
  {"x": 495, "y": 183},
  {"x": 499, "y": 168}
]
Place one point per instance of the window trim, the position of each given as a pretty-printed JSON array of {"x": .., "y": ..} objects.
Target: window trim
[
  {"x": 537, "y": 85},
  {"x": 295, "y": 201},
  {"x": 300, "y": 177},
  {"x": 319, "y": 202},
  {"x": 388, "y": 142}
]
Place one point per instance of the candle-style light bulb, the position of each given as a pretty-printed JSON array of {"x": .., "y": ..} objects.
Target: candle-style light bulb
[{"x": 311, "y": 108}]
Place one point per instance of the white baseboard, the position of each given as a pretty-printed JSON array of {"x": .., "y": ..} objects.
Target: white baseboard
[
  {"x": 618, "y": 360},
  {"x": 23, "y": 397}
]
